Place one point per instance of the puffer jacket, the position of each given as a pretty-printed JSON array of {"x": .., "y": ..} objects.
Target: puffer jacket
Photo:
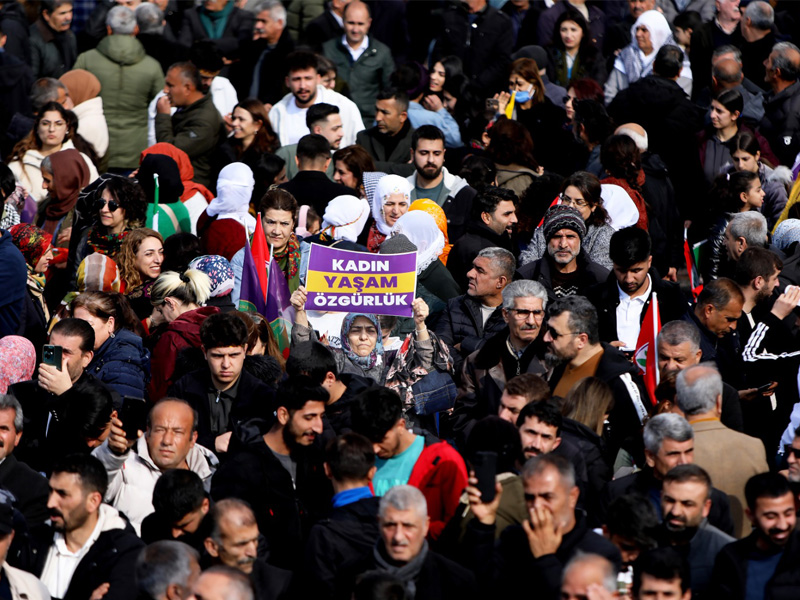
[
  {"x": 92, "y": 124},
  {"x": 462, "y": 323},
  {"x": 182, "y": 333},
  {"x": 129, "y": 80},
  {"x": 123, "y": 364},
  {"x": 132, "y": 477}
]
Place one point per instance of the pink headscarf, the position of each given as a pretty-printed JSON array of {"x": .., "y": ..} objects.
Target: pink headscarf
[{"x": 17, "y": 361}]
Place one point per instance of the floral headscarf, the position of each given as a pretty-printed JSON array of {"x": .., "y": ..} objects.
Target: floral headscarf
[
  {"x": 17, "y": 361},
  {"x": 219, "y": 271},
  {"x": 376, "y": 356},
  {"x": 31, "y": 241}
]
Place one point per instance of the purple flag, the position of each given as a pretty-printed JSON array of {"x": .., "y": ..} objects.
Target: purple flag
[
  {"x": 279, "y": 311},
  {"x": 251, "y": 298}
]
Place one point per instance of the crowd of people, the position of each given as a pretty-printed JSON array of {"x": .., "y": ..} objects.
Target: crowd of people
[{"x": 585, "y": 185}]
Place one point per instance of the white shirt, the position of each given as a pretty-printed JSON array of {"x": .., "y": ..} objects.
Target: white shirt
[
  {"x": 486, "y": 312},
  {"x": 295, "y": 121},
  {"x": 629, "y": 311},
  {"x": 356, "y": 52},
  {"x": 61, "y": 562}
]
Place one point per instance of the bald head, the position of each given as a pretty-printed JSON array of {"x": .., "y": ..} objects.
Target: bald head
[
  {"x": 636, "y": 132},
  {"x": 586, "y": 571},
  {"x": 356, "y": 23},
  {"x": 727, "y": 73}
]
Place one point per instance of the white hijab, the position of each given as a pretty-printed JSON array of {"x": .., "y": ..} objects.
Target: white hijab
[
  {"x": 388, "y": 185},
  {"x": 622, "y": 212},
  {"x": 421, "y": 230},
  {"x": 234, "y": 189},
  {"x": 345, "y": 217}
]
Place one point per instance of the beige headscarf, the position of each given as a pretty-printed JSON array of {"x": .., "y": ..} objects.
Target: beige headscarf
[{"x": 82, "y": 85}]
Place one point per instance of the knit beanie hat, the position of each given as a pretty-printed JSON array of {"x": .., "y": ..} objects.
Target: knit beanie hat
[
  {"x": 397, "y": 244},
  {"x": 563, "y": 217}
]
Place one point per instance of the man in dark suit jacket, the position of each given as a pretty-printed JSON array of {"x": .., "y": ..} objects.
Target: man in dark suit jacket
[
  {"x": 311, "y": 185},
  {"x": 327, "y": 26},
  {"x": 30, "y": 489}
]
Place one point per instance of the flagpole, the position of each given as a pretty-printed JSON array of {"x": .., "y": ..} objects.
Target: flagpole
[
  {"x": 654, "y": 302},
  {"x": 155, "y": 209}
]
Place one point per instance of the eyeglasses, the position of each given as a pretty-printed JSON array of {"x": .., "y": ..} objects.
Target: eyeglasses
[
  {"x": 576, "y": 202},
  {"x": 789, "y": 449},
  {"x": 555, "y": 335},
  {"x": 524, "y": 313},
  {"x": 101, "y": 202}
]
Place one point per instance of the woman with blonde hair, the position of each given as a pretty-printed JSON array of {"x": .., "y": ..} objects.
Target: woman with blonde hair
[
  {"x": 139, "y": 261},
  {"x": 178, "y": 300}
]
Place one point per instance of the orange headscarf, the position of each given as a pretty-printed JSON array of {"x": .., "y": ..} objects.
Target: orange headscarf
[
  {"x": 190, "y": 188},
  {"x": 82, "y": 85},
  {"x": 434, "y": 210}
]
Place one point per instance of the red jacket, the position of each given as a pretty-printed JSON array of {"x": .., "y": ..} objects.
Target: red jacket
[
  {"x": 183, "y": 332},
  {"x": 441, "y": 475}
]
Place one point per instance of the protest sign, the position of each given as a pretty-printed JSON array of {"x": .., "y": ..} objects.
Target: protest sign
[{"x": 347, "y": 281}]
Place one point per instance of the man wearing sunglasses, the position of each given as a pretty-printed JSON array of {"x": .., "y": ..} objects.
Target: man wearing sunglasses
[{"x": 575, "y": 350}]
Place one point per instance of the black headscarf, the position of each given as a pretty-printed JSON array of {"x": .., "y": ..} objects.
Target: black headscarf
[{"x": 169, "y": 179}]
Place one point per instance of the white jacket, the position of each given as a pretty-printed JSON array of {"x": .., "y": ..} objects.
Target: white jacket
[
  {"x": 24, "y": 586},
  {"x": 351, "y": 117},
  {"x": 132, "y": 477},
  {"x": 92, "y": 124},
  {"x": 29, "y": 175}
]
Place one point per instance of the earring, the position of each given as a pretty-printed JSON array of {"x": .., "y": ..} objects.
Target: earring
[{"x": 111, "y": 335}]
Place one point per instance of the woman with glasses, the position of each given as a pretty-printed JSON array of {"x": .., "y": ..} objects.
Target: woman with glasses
[
  {"x": 119, "y": 208},
  {"x": 580, "y": 190},
  {"x": 51, "y": 133}
]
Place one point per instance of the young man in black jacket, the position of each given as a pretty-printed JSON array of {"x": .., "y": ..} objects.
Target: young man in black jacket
[
  {"x": 623, "y": 299},
  {"x": 223, "y": 394},
  {"x": 280, "y": 473},
  {"x": 82, "y": 525}
]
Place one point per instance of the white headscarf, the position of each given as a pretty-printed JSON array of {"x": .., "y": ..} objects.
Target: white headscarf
[
  {"x": 234, "y": 189},
  {"x": 388, "y": 185},
  {"x": 622, "y": 212},
  {"x": 345, "y": 217},
  {"x": 421, "y": 230},
  {"x": 632, "y": 60}
]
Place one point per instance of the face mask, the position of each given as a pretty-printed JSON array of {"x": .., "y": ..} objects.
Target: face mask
[{"x": 523, "y": 97}]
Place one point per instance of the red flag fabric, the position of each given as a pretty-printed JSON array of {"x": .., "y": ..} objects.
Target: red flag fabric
[
  {"x": 691, "y": 269},
  {"x": 646, "y": 356},
  {"x": 260, "y": 252}
]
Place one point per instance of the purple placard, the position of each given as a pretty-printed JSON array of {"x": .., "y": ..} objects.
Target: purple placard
[{"x": 348, "y": 281}]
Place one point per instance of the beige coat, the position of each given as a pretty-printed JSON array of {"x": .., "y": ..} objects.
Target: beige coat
[
  {"x": 24, "y": 586},
  {"x": 730, "y": 458}
]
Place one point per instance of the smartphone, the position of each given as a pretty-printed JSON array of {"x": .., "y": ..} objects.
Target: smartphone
[
  {"x": 485, "y": 466},
  {"x": 763, "y": 388},
  {"x": 51, "y": 355},
  {"x": 133, "y": 416}
]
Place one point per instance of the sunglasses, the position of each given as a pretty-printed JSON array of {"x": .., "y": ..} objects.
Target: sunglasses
[
  {"x": 789, "y": 449},
  {"x": 101, "y": 202}
]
